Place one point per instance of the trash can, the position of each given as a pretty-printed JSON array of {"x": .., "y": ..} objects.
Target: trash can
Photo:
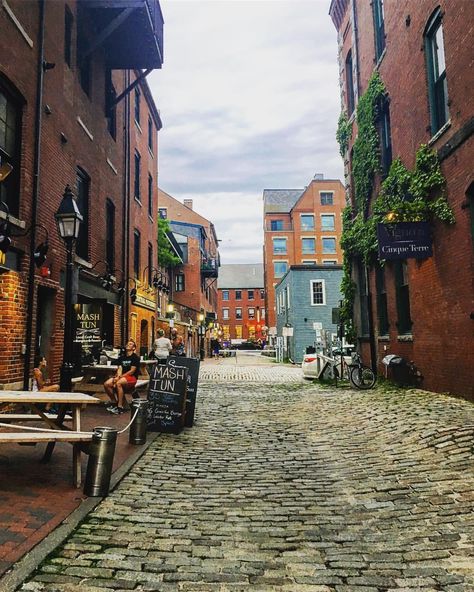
[
  {"x": 400, "y": 370},
  {"x": 101, "y": 458},
  {"x": 138, "y": 428}
]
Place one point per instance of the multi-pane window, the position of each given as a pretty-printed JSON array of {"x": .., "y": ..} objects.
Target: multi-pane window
[
  {"x": 136, "y": 254},
  {"x": 251, "y": 313},
  {"x": 382, "y": 310},
  {"x": 82, "y": 200},
  {"x": 225, "y": 294},
  {"x": 150, "y": 196},
  {"x": 379, "y": 28},
  {"x": 68, "y": 27},
  {"x": 238, "y": 294},
  {"x": 279, "y": 246},
  {"x": 349, "y": 84},
  {"x": 276, "y": 225},
  {"x": 110, "y": 234},
  {"x": 308, "y": 245},
  {"x": 280, "y": 268},
  {"x": 136, "y": 183},
  {"x": 238, "y": 313},
  {"x": 150, "y": 134},
  {"x": 250, "y": 294},
  {"x": 327, "y": 222},
  {"x": 225, "y": 314},
  {"x": 180, "y": 284},
  {"x": 10, "y": 115},
  {"x": 402, "y": 293},
  {"x": 137, "y": 104},
  {"x": 436, "y": 64},
  {"x": 307, "y": 222},
  {"x": 163, "y": 213},
  {"x": 329, "y": 245},
  {"x": 326, "y": 197},
  {"x": 385, "y": 136},
  {"x": 318, "y": 295}
]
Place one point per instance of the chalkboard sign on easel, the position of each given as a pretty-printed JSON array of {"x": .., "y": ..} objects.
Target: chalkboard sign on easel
[
  {"x": 167, "y": 399},
  {"x": 192, "y": 364}
]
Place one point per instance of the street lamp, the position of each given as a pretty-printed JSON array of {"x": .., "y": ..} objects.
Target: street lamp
[
  {"x": 68, "y": 219},
  {"x": 202, "y": 331}
]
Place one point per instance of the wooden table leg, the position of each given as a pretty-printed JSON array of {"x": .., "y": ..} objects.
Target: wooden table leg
[
  {"x": 76, "y": 451},
  {"x": 59, "y": 422}
]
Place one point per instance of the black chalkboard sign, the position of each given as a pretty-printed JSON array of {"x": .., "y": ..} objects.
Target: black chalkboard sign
[
  {"x": 192, "y": 364},
  {"x": 167, "y": 399}
]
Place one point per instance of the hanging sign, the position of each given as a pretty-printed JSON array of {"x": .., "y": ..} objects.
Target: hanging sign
[{"x": 404, "y": 240}]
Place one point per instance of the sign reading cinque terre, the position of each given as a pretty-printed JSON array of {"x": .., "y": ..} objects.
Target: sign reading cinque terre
[{"x": 404, "y": 240}]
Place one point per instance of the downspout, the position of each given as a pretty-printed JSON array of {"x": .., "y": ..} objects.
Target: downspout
[
  {"x": 356, "y": 46},
  {"x": 35, "y": 195},
  {"x": 126, "y": 214}
]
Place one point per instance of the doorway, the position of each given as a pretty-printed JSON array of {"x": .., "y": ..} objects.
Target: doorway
[{"x": 44, "y": 321}]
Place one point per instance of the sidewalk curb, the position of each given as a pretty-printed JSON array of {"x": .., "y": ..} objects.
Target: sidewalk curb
[{"x": 27, "y": 564}]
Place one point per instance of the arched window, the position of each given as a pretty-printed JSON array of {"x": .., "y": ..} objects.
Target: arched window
[{"x": 436, "y": 72}]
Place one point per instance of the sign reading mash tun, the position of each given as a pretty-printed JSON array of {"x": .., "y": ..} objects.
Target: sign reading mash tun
[
  {"x": 167, "y": 399},
  {"x": 192, "y": 364},
  {"x": 404, "y": 240}
]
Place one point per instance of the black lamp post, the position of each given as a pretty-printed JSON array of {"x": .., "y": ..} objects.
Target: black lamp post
[
  {"x": 202, "y": 331},
  {"x": 68, "y": 219}
]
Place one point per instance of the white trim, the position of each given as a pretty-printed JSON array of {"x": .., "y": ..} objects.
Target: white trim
[
  {"x": 112, "y": 166},
  {"x": 311, "y": 292},
  {"x": 326, "y": 191},
  {"x": 334, "y": 223},
  {"x": 85, "y": 129},
  {"x": 288, "y": 303},
  {"x": 225, "y": 318},
  {"x": 17, "y": 23}
]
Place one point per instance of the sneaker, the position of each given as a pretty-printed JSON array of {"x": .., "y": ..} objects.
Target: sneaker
[
  {"x": 117, "y": 410},
  {"x": 111, "y": 408},
  {"x": 110, "y": 405}
]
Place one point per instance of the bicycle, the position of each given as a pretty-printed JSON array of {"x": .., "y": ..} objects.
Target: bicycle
[{"x": 360, "y": 376}]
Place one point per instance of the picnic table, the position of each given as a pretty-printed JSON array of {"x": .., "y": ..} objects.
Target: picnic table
[
  {"x": 94, "y": 376},
  {"x": 55, "y": 430}
]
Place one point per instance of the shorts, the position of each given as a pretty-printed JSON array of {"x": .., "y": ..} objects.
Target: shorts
[{"x": 131, "y": 380}]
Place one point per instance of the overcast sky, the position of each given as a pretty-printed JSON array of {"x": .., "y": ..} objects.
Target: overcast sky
[{"x": 249, "y": 98}]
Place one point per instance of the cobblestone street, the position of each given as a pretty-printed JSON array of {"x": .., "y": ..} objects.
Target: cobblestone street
[{"x": 284, "y": 485}]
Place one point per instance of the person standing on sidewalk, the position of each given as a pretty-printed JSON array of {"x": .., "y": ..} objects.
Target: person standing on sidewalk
[
  {"x": 162, "y": 347},
  {"x": 124, "y": 380},
  {"x": 177, "y": 343}
]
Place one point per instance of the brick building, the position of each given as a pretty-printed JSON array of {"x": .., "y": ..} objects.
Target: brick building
[
  {"x": 193, "y": 284},
  {"x": 422, "y": 308},
  {"x": 241, "y": 302},
  {"x": 62, "y": 65},
  {"x": 301, "y": 226}
]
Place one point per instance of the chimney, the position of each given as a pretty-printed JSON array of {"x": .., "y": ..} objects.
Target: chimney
[
  {"x": 188, "y": 203},
  {"x": 318, "y": 177}
]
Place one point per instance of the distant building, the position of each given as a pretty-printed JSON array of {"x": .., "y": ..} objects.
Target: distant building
[
  {"x": 306, "y": 295},
  {"x": 301, "y": 227},
  {"x": 241, "y": 298}
]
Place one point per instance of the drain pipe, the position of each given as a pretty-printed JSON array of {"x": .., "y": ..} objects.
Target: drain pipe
[
  {"x": 126, "y": 214},
  {"x": 35, "y": 196}
]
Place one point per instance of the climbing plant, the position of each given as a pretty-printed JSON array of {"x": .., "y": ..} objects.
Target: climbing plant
[
  {"x": 166, "y": 257},
  {"x": 343, "y": 133}
]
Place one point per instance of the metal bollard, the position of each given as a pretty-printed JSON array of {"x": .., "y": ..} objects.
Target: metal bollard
[
  {"x": 101, "y": 458},
  {"x": 139, "y": 425}
]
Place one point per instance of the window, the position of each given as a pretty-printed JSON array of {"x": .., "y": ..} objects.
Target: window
[
  {"x": 238, "y": 294},
  {"x": 326, "y": 197},
  {"x": 238, "y": 313},
  {"x": 150, "y": 134},
  {"x": 279, "y": 246},
  {"x": 307, "y": 222},
  {"x": 82, "y": 200},
  {"x": 276, "y": 225},
  {"x": 138, "y": 159},
  {"x": 137, "y": 104},
  {"x": 436, "y": 66},
  {"x": 318, "y": 294},
  {"x": 250, "y": 294},
  {"x": 402, "y": 292},
  {"x": 279, "y": 268},
  {"x": 150, "y": 264},
  {"x": 379, "y": 28},
  {"x": 68, "y": 27},
  {"x": 238, "y": 331},
  {"x": 85, "y": 63},
  {"x": 262, "y": 312},
  {"x": 329, "y": 245},
  {"x": 110, "y": 234},
  {"x": 225, "y": 314},
  {"x": 150, "y": 196},
  {"x": 251, "y": 313},
  {"x": 136, "y": 254},
  {"x": 308, "y": 245},
  {"x": 327, "y": 222},
  {"x": 309, "y": 262},
  {"x": 163, "y": 213},
  {"x": 329, "y": 262},
  {"x": 262, "y": 294},
  {"x": 350, "y": 98},
  {"x": 385, "y": 136},
  {"x": 10, "y": 143},
  {"x": 382, "y": 311},
  {"x": 110, "y": 107},
  {"x": 225, "y": 294},
  {"x": 179, "y": 282}
]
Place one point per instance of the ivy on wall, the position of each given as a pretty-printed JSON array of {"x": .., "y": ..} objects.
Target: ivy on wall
[
  {"x": 166, "y": 257},
  {"x": 343, "y": 133}
]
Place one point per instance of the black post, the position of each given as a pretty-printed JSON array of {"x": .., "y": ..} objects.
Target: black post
[
  {"x": 370, "y": 319},
  {"x": 67, "y": 365},
  {"x": 201, "y": 343}
]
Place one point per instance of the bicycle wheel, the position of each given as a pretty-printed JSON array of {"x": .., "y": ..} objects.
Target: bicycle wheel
[{"x": 362, "y": 377}]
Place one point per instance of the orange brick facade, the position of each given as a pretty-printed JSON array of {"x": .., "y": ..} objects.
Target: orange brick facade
[
  {"x": 252, "y": 321},
  {"x": 441, "y": 287}
]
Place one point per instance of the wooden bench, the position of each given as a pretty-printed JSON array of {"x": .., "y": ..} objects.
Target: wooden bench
[{"x": 6, "y": 417}]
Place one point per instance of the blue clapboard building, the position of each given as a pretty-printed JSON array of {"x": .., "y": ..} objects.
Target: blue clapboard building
[{"x": 306, "y": 295}]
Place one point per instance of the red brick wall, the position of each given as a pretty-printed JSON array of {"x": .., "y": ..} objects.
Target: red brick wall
[{"x": 258, "y": 303}]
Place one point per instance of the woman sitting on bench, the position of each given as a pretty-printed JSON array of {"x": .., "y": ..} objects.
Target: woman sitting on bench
[{"x": 39, "y": 382}]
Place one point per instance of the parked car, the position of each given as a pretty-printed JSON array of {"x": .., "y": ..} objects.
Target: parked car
[{"x": 247, "y": 345}]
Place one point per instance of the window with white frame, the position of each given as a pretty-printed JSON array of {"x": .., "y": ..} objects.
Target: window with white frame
[
  {"x": 251, "y": 313},
  {"x": 327, "y": 222},
  {"x": 308, "y": 245},
  {"x": 327, "y": 198},
  {"x": 280, "y": 268},
  {"x": 225, "y": 314},
  {"x": 307, "y": 221},
  {"x": 250, "y": 294},
  {"x": 238, "y": 313},
  {"x": 329, "y": 245},
  {"x": 318, "y": 293},
  {"x": 279, "y": 246},
  {"x": 225, "y": 294}
]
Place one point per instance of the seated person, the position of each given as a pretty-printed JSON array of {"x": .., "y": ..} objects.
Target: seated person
[
  {"x": 40, "y": 383},
  {"x": 124, "y": 380}
]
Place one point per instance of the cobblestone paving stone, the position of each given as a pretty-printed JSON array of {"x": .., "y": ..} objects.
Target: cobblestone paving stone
[{"x": 288, "y": 487}]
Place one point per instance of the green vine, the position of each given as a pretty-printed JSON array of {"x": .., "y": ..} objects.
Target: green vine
[
  {"x": 343, "y": 133},
  {"x": 166, "y": 257}
]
